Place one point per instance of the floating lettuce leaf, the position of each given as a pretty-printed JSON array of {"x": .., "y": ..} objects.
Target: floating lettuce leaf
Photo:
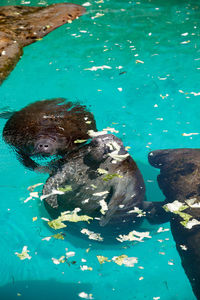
[
  {"x": 193, "y": 203},
  {"x": 70, "y": 216},
  {"x": 85, "y": 295},
  {"x": 102, "y": 171},
  {"x": 119, "y": 259},
  {"x": 101, "y": 193},
  {"x": 125, "y": 260},
  {"x": 111, "y": 129},
  {"x": 24, "y": 254},
  {"x": 133, "y": 236},
  {"x": 69, "y": 253},
  {"x": 185, "y": 217},
  {"x": 93, "y": 186},
  {"x": 47, "y": 238},
  {"x": 177, "y": 208},
  {"x": 102, "y": 259},
  {"x": 111, "y": 176},
  {"x": 58, "y": 236},
  {"x": 93, "y": 133},
  {"x": 56, "y": 261},
  {"x": 32, "y": 187},
  {"x": 86, "y": 268},
  {"x": 56, "y": 224},
  {"x": 189, "y": 224},
  {"x": 118, "y": 157},
  {"x": 104, "y": 206},
  {"x": 54, "y": 192},
  {"x": 138, "y": 211},
  {"x": 92, "y": 235},
  {"x": 65, "y": 189},
  {"x": 81, "y": 141}
]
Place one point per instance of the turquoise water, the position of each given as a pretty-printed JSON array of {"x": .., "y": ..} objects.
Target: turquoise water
[{"x": 150, "y": 89}]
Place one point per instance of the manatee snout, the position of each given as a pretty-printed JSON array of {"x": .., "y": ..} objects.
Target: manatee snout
[{"x": 45, "y": 146}]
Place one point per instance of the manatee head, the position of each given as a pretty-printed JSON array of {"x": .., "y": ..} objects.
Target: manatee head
[
  {"x": 103, "y": 146},
  {"x": 179, "y": 176}
]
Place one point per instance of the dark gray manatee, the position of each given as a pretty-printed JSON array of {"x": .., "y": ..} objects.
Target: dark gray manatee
[
  {"x": 179, "y": 179},
  {"x": 23, "y": 25},
  {"x": 47, "y": 129},
  {"x": 102, "y": 179}
]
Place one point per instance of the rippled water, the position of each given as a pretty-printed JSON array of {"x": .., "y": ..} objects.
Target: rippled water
[{"x": 148, "y": 83}]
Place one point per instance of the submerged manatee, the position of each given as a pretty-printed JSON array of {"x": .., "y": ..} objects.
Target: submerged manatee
[
  {"x": 179, "y": 180},
  {"x": 47, "y": 128},
  {"x": 101, "y": 179},
  {"x": 23, "y": 25}
]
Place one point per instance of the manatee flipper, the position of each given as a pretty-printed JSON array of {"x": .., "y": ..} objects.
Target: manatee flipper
[
  {"x": 23, "y": 25},
  {"x": 6, "y": 114},
  {"x": 31, "y": 164},
  {"x": 118, "y": 199},
  {"x": 52, "y": 184},
  {"x": 26, "y": 160}
]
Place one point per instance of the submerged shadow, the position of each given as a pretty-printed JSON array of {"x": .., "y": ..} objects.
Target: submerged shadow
[{"x": 43, "y": 289}]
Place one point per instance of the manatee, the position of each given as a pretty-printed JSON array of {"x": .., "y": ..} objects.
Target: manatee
[
  {"x": 22, "y": 25},
  {"x": 48, "y": 129},
  {"x": 101, "y": 179},
  {"x": 179, "y": 180}
]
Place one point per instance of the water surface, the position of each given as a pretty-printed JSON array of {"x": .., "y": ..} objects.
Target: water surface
[{"x": 136, "y": 65}]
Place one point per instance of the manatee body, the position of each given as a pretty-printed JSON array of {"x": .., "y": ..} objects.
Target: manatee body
[
  {"x": 98, "y": 173},
  {"x": 46, "y": 129},
  {"x": 179, "y": 179},
  {"x": 23, "y": 25}
]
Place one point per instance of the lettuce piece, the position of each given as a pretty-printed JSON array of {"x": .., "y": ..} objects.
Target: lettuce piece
[
  {"x": 102, "y": 259},
  {"x": 67, "y": 188},
  {"x": 70, "y": 216},
  {"x": 111, "y": 176},
  {"x": 24, "y": 254}
]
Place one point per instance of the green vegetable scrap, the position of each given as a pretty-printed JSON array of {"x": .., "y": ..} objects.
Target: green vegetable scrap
[
  {"x": 58, "y": 236},
  {"x": 67, "y": 188},
  {"x": 102, "y": 259},
  {"x": 177, "y": 208},
  {"x": 24, "y": 254},
  {"x": 56, "y": 224},
  {"x": 111, "y": 176},
  {"x": 102, "y": 171},
  {"x": 119, "y": 260},
  {"x": 56, "y": 261},
  {"x": 79, "y": 141},
  {"x": 70, "y": 216}
]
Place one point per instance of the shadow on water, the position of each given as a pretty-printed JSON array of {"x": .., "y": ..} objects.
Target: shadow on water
[{"x": 41, "y": 289}]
